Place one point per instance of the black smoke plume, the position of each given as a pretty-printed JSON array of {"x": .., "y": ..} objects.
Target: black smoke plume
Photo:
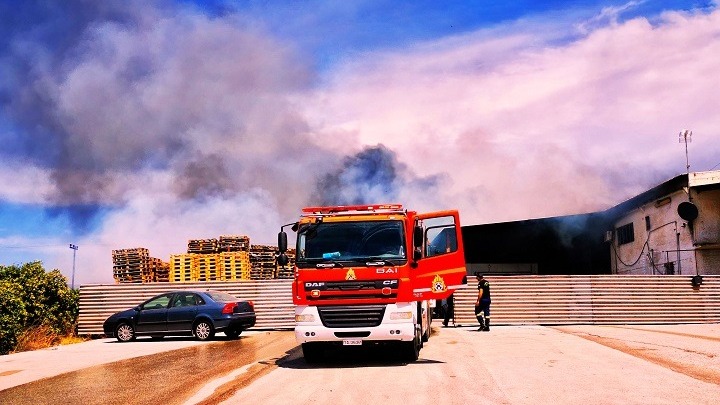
[{"x": 374, "y": 175}]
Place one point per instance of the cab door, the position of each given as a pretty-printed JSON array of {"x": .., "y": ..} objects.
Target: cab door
[{"x": 440, "y": 266}]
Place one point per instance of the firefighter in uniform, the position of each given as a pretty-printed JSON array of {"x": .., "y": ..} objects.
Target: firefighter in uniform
[{"x": 482, "y": 305}]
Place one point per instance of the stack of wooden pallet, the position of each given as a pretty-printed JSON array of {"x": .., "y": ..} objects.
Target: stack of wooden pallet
[
  {"x": 160, "y": 269},
  {"x": 287, "y": 270},
  {"x": 233, "y": 243},
  {"x": 136, "y": 266},
  {"x": 235, "y": 265},
  {"x": 226, "y": 266},
  {"x": 208, "y": 267},
  {"x": 262, "y": 262},
  {"x": 183, "y": 267},
  {"x": 202, "y": 246}
]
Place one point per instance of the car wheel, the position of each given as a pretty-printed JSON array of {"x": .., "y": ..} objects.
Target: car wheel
[
  {"x": 203, "y": 330},
  {"x": 124, "y": 332},
  {"x": 233, "y": 333}
]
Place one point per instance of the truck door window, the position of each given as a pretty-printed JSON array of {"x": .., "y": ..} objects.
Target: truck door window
[{"x": 440, "y": 236}]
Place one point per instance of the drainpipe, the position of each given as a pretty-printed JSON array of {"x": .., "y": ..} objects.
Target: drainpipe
[{"x": 677, "y": 237}]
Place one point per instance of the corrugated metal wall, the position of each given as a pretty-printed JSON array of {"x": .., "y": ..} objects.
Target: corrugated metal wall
[
  {"x": 272, "y": 298},
  {"x": 603, "y": 299}
]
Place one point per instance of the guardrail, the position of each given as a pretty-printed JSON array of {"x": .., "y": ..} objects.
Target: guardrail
[{"x": 516, "y": 300}]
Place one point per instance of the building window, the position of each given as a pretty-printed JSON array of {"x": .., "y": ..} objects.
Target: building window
[
  {"x": 647, "y": 223},
  {"x": 625, "y": 234}
]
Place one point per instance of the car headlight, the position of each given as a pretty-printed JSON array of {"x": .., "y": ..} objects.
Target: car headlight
[
  {"x": 305, "y": 318},
  {"x": 401, "y": 315}
]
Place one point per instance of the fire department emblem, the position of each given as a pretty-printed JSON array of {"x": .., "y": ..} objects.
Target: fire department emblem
[
  {"x": 350, "y": 275},
  {"x": 438, "y": 285}
]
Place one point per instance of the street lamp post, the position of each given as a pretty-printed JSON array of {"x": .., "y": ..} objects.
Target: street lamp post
[{"x": 74, "y": 248}]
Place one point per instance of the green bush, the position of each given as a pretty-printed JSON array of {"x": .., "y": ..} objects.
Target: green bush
[{"x": 32, "y": 297}]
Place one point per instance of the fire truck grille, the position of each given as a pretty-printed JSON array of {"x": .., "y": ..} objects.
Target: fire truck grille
[{"x": 351, "y": 317}]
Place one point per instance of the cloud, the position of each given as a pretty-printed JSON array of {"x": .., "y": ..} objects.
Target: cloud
[
  {"x": 529, "y": 127},
  {"x": 176, "y": 125}
]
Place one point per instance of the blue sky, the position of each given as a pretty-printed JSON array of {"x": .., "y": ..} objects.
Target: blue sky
[{"x": 127, "y": 124}]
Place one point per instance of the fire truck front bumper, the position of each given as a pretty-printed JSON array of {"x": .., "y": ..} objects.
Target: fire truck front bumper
[{"x": 393, "y": 323}]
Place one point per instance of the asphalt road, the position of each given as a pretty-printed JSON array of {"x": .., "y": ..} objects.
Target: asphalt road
[
  {"x": 672, "y": 364},
  {"x": 652, "y": 364},
  {"x": 168, "y": 376}
]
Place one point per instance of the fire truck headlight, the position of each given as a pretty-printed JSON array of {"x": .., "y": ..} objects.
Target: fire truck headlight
[
  {"x": 401, "y": 315},
  {"x": 305, "y": 318}
]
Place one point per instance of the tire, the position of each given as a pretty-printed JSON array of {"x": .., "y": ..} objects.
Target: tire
[
  {"x": 125, "y": 332},
  {"x": 233, "y": 333},
  {"x": 426, "y": 335},
  {"x": 412, "y": 349},
  {"x": 312, "y": 352},
  {"x": 203, "y": 330}
]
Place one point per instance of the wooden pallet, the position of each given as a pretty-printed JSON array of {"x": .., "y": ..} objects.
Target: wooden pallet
[
  {"x": 233, "y": 243},
  {"x": 202, "y": 245},
  {"x": 136, "y": 266}
]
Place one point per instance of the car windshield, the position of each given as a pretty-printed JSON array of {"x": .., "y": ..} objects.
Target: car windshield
[
  {"x": 351, "y": 241},
  {"x": 219, "y": 296}
]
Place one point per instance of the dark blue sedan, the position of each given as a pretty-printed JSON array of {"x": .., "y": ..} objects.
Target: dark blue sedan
[{"x": 197, "y": 313}]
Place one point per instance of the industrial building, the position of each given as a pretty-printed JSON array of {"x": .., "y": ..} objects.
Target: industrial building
[{"x": 673, "y": 228}]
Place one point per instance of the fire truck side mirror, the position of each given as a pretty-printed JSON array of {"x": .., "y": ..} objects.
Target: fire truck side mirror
[
  {"x": 282, "y": 242},
  {"x": 418, "y": 235},
  {"x": 283, "y": 260}
]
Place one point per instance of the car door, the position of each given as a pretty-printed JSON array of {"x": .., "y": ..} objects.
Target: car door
[
  {"x": 152, "y": 316},
  {"x": 182, "y": 312}
]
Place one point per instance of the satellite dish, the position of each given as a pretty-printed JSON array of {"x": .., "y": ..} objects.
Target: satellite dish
[{"x": 687, "y": 211}]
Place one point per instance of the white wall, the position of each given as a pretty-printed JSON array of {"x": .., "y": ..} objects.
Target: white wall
[
  {"x": 660, "y": 241},
  {"x": 670, "y": 237}
]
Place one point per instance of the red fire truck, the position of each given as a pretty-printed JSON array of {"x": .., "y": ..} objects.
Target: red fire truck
[{"x": 367, "y": 275}]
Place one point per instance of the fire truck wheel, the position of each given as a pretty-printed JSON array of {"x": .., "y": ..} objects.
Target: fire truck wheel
[
  {"x": 312, "y": 352},
  {"x": 412, "y": 349}
]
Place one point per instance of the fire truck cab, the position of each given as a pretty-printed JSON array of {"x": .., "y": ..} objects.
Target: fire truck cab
[{"x": 368, "y": 275}]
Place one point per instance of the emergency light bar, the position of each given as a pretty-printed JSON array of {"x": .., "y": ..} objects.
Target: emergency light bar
[{"x": 353, "y": 208}]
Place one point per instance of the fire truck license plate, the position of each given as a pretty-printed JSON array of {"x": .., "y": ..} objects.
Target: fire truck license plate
[{"x": 352, "y": 342}]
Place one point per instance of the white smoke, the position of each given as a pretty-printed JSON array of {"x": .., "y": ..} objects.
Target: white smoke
[{"x": 176, "y": 125}]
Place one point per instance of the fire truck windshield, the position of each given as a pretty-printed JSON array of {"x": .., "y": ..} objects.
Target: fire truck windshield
[{"x": 361, "y": 241}]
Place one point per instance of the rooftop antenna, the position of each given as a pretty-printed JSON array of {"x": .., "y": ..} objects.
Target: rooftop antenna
[{"x": 686, "y": 136}]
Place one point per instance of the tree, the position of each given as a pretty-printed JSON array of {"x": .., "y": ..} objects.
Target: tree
[{"x": 32, "y": 297}]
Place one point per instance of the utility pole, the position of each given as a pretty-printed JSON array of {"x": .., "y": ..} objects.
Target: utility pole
[{"x": 74, "y": 248}]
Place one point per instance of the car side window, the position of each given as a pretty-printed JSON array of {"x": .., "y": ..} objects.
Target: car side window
[
  {"x": 184, "y": 300},
  {"x": 199, "y": 300},
  {"x": 158, "y": 302}
]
